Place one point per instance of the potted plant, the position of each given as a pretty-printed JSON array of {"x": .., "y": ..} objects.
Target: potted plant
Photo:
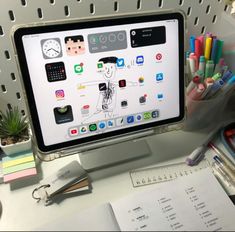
[{"x": 14, "y": 132}]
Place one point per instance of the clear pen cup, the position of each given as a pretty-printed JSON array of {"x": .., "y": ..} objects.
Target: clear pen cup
[{"x": 204, "y": 114}]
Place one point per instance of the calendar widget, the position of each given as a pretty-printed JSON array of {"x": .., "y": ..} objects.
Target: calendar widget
[{"x": 55, "y": 71}]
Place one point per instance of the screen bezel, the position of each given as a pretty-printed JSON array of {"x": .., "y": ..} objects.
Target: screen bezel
[{"x": 101, "y": 22}]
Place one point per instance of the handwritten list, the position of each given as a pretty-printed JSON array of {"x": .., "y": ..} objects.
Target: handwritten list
[{"x": 195, "y": 202}]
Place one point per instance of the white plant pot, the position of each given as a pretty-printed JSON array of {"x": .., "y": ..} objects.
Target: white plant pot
[{"x": 13, "y": 149}]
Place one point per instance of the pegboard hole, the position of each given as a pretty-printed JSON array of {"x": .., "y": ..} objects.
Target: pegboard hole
[
  {"x": 200, "y": 1},
  {"x": 1, "y": 31},
  {"x": 208, "y": 8},
  {"x": 23, "y": 112},
  {"x": 160, "y": 3},
  {"x": 196, "y": 21},
  {"x": 9, "y": 106},
  {"x": 3, "y": 87},
  {"x": 7, "y": 55},
  {"x": 11, "y": 15},
  {"x": 92, "y": 8},
  {"x": 23, "y": 3},
  {"x": 13, "y": 77},
  {"x": 18, "y": 95},
  {"x": 116, "y": 6},
  {"x": 67, "y": 11},
  {"x": 214, "y": 19},
  {"x": 226, "y": 8},
  {"x": 181, "y": 2},
  {"x": 40, "y": 13},
  {"x": 52, "y": 2},
  {"x": 79, "y": 0},
  {"x": 189, "y": 11},
  {"x": 203, "y": 30},
  {"x": 139, "y": 3}
]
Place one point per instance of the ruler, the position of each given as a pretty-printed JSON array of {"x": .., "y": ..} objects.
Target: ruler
[{"x": 147, "y": 176}]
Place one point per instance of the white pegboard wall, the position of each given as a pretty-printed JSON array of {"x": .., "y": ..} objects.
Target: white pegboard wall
[{"x": 202, "y": 16}]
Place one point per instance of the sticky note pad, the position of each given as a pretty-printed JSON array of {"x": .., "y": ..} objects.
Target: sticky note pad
[
  {"x": 19, "y": 167},
  {"x": 20, "y": 174}
]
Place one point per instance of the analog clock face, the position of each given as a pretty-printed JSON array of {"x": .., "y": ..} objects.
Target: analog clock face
[{"x": 51, "y": 48}]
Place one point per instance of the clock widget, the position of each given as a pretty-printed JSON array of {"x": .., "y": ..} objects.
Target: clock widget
[{"x": 51, "y": 48}]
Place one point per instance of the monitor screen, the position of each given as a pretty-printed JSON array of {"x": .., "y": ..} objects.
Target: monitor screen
[{"x": 86, "y": 81}]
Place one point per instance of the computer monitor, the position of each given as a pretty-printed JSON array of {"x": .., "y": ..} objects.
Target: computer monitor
[{"x": 94, "y": 80}]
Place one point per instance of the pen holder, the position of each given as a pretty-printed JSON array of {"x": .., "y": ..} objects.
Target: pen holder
[{"x": 204, "y": 114}]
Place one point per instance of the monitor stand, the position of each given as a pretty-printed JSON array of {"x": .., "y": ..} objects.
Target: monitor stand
[{"x": 114, "y": 154}]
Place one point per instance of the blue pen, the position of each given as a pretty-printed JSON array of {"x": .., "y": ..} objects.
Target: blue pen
[
  {"x": 215, "y": 88},
  {"x": 227, "y": 75},
  {"x": 192, "y": 43},
  {"x": 229, "y": 85},
  {"x": 214, "y": 50}
]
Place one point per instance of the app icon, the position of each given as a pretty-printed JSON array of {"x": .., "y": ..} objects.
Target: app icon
[
  {"x": 140, "y": 60},
  {"x": 120, "y": 121},
  {"x": 130, "y": 119},
  {"x": 159, "y": 77},
  {"x": 75, "y": 45},
  {"x": 120, "y": 63},
  {"x": 102, "y": 87},
  {"x": 155, "y": 114},
  {"x": 83, "y": 129},
  {"x": 63, "y": 114},
  {"x": 141, "y": 80},
  {"x": 124, "y": 103},
  {"x": 73, "y": 131},
  {"x": 55, "y": 71},
  {"x": 78, "y": 68},
  {"x": 160, "y": 96},
  {"x": 102, "y": 125},
  {"x": 100, "y": 66},
  {"x": 139, "y": 117},
  {"x": 122, "y": 83},
  {"x": 142, "y": 99},
  {"x": 147, "y": 115},
  {"x": 51, "y": 48},
  {"x": 59, "y": 94},
  {"x": 158, "y": 56},
  {"x": 85, "y": 110},
  {"x": 92, "y": 127},
  {"x": 110, "y": 123}
]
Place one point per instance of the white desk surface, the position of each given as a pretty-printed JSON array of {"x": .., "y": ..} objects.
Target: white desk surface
[{"x": 21, "y": 212}]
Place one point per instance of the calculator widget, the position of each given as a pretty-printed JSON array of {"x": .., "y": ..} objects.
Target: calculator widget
[{"x": 55, "y": 71}]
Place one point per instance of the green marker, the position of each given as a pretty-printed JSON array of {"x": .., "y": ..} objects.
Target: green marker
[
  {"x": 218, "y": 55},
  {"x": 209, "y": 68},
  {"x": 217, "y": 76}
]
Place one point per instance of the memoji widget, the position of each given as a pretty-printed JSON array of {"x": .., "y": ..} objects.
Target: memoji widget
[{"x": 74, "y": 45}]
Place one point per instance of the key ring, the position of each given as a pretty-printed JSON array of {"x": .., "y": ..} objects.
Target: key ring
[{"x": 36, "y": 189}]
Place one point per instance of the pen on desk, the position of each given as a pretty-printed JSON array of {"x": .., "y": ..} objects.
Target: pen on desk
[
  {"x": 196, "y": 156},
  {"x": 223, "y": 156},
  {"x": 225, "y": 168}
]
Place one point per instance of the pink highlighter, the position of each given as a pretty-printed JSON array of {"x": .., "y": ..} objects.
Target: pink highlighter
[{"x": 196, "y": 93}]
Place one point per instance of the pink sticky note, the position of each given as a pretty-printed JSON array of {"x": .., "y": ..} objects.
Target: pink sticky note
[{"x": 20, "y": 174}]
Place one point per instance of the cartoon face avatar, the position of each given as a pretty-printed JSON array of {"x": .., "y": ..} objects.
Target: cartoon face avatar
[
  {"x": 109, "y": 68},
  {"x": 75, "y": 45}
]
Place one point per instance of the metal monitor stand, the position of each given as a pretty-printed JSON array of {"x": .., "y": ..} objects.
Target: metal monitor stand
[{"x": 114, "y": 154}]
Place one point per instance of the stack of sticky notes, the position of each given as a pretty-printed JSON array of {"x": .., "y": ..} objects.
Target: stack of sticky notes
[{"x": 18, "y": 166}]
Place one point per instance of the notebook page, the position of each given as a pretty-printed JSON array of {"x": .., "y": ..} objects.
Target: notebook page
[{"x": 195, "y": 202}]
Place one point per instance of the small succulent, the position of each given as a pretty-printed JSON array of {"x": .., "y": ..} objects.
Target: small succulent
[{"x": 13, "y": 126}]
